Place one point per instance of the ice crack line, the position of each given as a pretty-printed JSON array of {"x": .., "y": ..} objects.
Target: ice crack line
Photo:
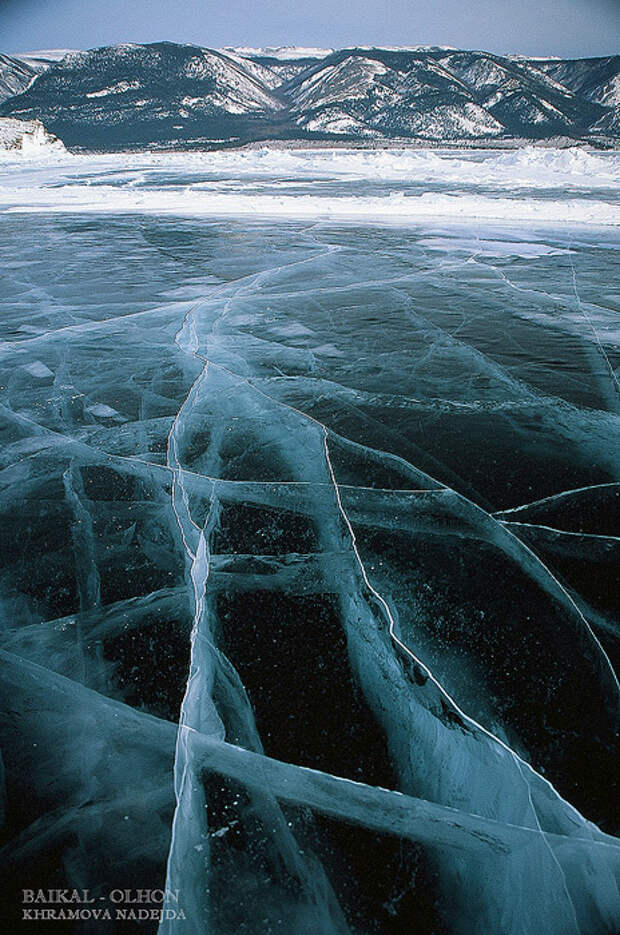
[
  {"x": 563, "y": 494},
  {"x": 199, "y": 562},
  {"x": 553, "y": 856},
  {"x": 599, "y": 344}
]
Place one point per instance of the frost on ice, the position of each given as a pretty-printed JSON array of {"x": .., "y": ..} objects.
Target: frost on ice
[{"x": 309, "y": 535}]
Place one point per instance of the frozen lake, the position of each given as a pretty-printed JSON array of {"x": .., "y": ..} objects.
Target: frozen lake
[{"x": 316, "y": 454}]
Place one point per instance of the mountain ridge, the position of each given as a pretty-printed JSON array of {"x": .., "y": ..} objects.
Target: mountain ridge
[{"x": 168, "y": 95}]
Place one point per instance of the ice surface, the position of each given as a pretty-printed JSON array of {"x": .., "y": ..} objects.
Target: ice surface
[
  {"x": 534, "y": 185},
  {"x": 310, "y": 544},
  {"x": 539, "y": 186}
]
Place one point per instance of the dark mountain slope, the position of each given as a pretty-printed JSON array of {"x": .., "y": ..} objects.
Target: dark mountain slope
[{"x": 133, "y": 95}]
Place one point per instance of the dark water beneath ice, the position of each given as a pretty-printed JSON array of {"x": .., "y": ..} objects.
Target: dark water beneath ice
[{"x": 342, "y": 494}]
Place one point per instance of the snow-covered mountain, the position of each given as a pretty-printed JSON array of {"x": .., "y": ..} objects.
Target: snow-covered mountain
[
  {"x": 439, "y": 94},
  {"x": 379, "y": 93},
  {"x": 596, "y": 79},
  {"x": 131, "y": 95},
  {"x": 166, "y": 94},
  {"x": 15, "y": 76}
]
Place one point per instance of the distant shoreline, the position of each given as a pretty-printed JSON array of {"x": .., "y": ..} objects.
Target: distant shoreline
[
  {"x": 560, "y": 142},
  {"x": 507, "y": 145}
]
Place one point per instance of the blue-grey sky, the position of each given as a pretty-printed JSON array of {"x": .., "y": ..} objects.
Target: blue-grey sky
[{"x": 532, "y": 27}]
